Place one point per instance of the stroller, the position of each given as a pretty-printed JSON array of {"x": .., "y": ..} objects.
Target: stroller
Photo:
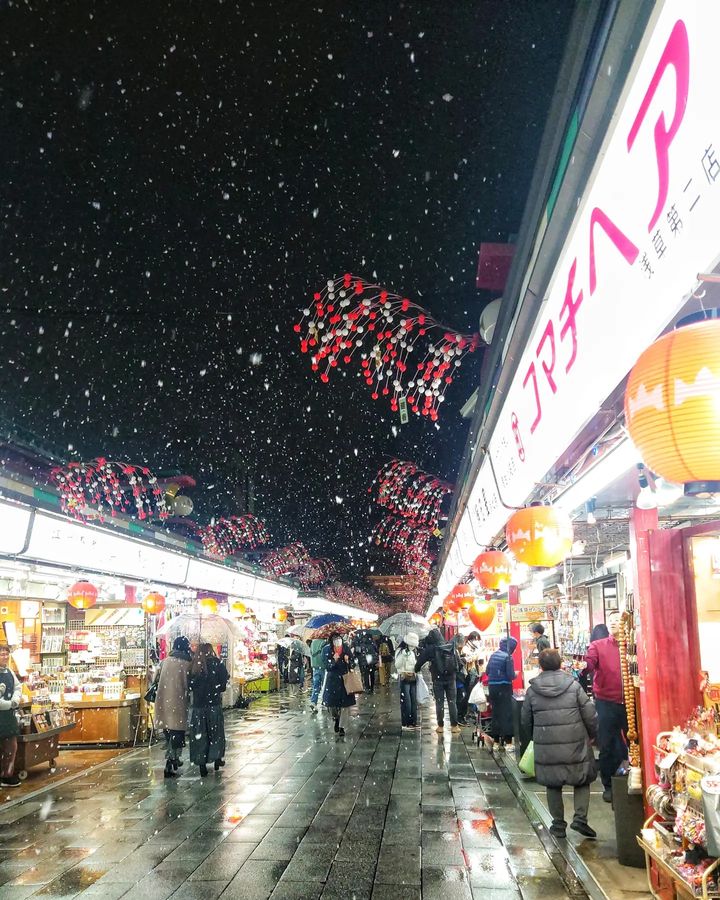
[{"x": 483, "y": 710}]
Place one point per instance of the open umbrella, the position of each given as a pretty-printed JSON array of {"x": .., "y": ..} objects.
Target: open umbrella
[
  {"x": 215, "y": 629},
  {"x": 325, "y": 631},
  {"x": 324, "y": 619},
  {"x": 300, "y": 647},
  {"x": 296, "y": 630},
  {"x": 397, "y": 626}
]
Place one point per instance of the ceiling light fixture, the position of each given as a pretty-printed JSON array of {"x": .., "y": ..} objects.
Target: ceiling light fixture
[
  {"x": 590, "y": 510},
  {"x": 607, "y": 469}
]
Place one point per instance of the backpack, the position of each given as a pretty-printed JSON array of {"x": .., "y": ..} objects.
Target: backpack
[{"x": 446, "y": 661}]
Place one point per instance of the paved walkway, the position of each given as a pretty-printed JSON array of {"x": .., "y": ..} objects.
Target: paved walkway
[{"x": 297, "y": 813}]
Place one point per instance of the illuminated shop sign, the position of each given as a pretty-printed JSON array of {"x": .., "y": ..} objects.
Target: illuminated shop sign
[{"x": 647, "y": 224}]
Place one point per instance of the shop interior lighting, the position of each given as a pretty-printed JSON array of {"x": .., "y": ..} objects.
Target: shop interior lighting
[
  {"x": 609, "y": 468},
  {"x": 590, "y": 511},
  {"x": 646, "y": 499}
]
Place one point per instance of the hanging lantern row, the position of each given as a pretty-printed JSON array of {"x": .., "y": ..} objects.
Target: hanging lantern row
[
  {"x": 402, "y": 352},
  {"x": 406, "y": 491},
  {"x": 232, "y": 535},
  {"x": 153, "y": 603},
  {"x": 208, "y": 606},
  {"x": 493, "y": 570},
  {"x": 539, "y": 536},
  {"x": 280, "y": 615},
  {"x": 239, "y": 608},
  {"x": 101, "y": 488},
  {"x": 672, "y": 406},
  {"x": 82, "y": 595}
]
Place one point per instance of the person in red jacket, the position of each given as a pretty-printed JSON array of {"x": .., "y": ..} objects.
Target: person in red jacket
[{"x": 603, "y": 661}]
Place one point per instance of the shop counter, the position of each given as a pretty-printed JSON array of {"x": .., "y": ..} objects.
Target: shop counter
[
  {"x": 103, "y": 721},
  {"x": 41, "y": 747}
]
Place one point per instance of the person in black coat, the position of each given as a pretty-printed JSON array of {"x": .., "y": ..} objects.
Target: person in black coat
[
  {"x": 208, "y": 680},
  {"x": 437, "y": 651},
  {"x": 338, "y": 661},
  {"x": 563, "y": 723}
]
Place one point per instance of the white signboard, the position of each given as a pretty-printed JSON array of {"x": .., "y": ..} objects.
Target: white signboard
[
  {"x": 13, "y": 527},
  {"x": 207, "y": 576},
  {"x": 57, "y": 540},
  {"x": 646, "y": 226}
]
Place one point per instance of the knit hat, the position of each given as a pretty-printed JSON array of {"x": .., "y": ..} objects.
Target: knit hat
[{"x": 411, "y": 639}]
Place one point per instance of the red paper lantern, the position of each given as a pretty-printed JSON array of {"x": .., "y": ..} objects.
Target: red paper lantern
[
  {"x": 493, "y": 570},
  {"x": 463, "y": 596},
  {"x": 82, "y": 595},
  {"x": 539, "y": 536},
  {"x": 153, "y": 603},
  {"x": 436, "y": 618},
  {"x": 482, "y": 615}
]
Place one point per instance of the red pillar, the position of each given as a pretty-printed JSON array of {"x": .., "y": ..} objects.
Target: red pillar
[
  {"x": 667, "y": 631},
  {"x": 513, "y": 600}
]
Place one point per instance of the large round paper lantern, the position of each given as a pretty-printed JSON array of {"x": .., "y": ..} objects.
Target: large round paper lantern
[
  {"x": 463, "y": 596},
  {"x": 539, "y": 536},
  {"x": 436, "y": 618},
  {"x": 82, "y": 595},
  {"x": 208, "y": 606},
  {"x": 281, "y": 615},
  {"x": 493, "y": 570},
  {"x": 239, "y": 608},
  {"x": 481, "y": 614},
  {"x": 672, "y": 406},
  {"x": 153, "y": 603}
]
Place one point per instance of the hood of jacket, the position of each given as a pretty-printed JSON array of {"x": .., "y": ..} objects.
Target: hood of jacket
[
  {"x": 180, "y": 654},
  {"x": 434, "y": 638},
  {"x": 509, "y": 645},
  {"x": 552, "y": 684}
]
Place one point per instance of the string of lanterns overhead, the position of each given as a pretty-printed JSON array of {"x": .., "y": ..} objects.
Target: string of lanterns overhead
[
  {"x": 409, "y": 492},
  {"x": 350, "y": 317}
]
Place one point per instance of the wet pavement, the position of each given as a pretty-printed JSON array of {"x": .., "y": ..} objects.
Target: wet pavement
[{"x": 296, "y": 814}]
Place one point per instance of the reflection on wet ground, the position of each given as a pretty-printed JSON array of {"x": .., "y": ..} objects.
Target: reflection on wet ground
[{"x": 296, "y": 813}]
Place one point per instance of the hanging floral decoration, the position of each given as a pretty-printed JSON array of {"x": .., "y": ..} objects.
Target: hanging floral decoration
[
  {"x": 406, "y": 491},
  {"x": 405, "y": 355},
  {"x": 232, "y": 535},
  {"x": 101, "y": 487},
  {"x": 285, "y": 560},
  {"x": 315, "y": 572},
  {"x": 350, "y": 595}
]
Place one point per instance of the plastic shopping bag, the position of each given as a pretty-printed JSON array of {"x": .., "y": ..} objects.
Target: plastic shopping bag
[
  {"x": 477, "y": 696},
  {"x": 423, "y": 694},
  {"x": 527, "y": 763}
]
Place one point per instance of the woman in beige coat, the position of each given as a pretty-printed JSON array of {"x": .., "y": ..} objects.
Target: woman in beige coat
[{"x": 172, "y": 703}]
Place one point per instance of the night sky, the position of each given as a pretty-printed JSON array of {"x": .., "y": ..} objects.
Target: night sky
[{"x": 178, "y": 178}]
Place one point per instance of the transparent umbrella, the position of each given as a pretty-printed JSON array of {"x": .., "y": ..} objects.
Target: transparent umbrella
[
  {"x": 215, "y": 628},
  {"x": 397, "y": 626}
]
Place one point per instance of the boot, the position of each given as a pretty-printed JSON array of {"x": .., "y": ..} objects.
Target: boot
[
  {"x": 203, "y": 770},
  {"x": 169, "y": 771},
  {"x": 337, "y": 724},
  {"x": 219, "y": 763}
]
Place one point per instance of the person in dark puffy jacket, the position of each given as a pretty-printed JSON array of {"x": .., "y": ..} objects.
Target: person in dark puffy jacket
[
  {"x": 443, "y": 682},
  {"x": 500, "y": 673},
  {"x": 564, "y": 723}
]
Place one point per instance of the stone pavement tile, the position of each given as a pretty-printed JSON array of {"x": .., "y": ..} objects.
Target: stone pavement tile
[
  {"x": 395, "y": 892},
  {"x": 208, "y": 890},
  {"x": 366, "y": 848},
  {"x": 223, "y": 863},
  {"x": 297, "y": 814},
  {"x": 297, "y": 890},
  {"x": 489, "y": 867},
  {"x": 155, "y": 886},
  {"x": 18, "y": 893},
  {"x": 326, "y": 829},
  {"x": 439, "y": 820},
  {"x": 344, "y": 881},
  {"x": 11, "y": 868},
  {"x": 540, "y": 887},
  {"x": 312, "y": 863},
  {"x": 530, "y": 862},
  {"x": 256, "y": 880},
  {"x": 399, "y": 865},
  {"x": 441, "y": 849},
  {"x": 273, "y": 803},
  {"x": 480, "y": 892},
  {"x": 446, "y": 883}
]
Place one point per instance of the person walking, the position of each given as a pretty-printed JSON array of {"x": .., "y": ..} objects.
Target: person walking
[
  {"x": 208, "y": 680},
  {"x": 500, "y": 673},
  {"x": 338, "y": 662},
  {"x": 10, "y": 696},
  {"x": 461, "y": 679},
  {"x": 172, "y": 703},
  {"x": 318, "y": 669},
  {"x": 564, "y": 724},
  {"x": 386, "y": 651},
  {"x": 405, "y": 659},
  {"x": 366, "y": 653},
  {"x": 603, "y": 663},
  {"x": 444, "y": 666}
]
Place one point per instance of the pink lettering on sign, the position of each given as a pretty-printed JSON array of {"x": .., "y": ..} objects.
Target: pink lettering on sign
[{"x": 677, "y": 56}]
